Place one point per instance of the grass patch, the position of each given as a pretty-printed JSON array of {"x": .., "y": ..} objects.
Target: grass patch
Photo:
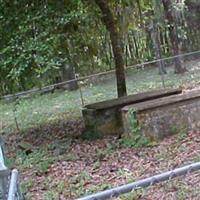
[
  {"x": 89, "y": 135},
  {"x": 40, "y": 160},
  {"x": 135, "y": 138},
  {"x": 26, "y": 186},
  {"x": 51, "y": 195},
  {"x": 69, "y": 157}
]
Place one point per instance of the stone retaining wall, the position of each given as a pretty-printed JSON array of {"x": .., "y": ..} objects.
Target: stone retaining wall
[{"x": 165, "y": 116}]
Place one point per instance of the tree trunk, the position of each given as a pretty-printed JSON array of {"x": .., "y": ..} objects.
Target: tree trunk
[
  {"x": 130, "y": 47},
  {"x": 67, "y": 75},
  {"x": 193, "y": 25},
  {"x": 168, "y": 10},
  {"x": 156, "y": 43},
  {"x": 68, "y": 72},
  {"x": 108, "y": 20}
]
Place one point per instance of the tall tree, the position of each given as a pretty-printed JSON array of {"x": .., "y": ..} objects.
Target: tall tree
[
  {"x": 153, "y": 28},
  {"x": 109, "y": 22},
  {"x": 68, "y": 74},
  {"x": 168, "y": 10}
]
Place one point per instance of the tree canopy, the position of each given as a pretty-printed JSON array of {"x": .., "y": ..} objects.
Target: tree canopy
[{"x": 39, "y": 38}]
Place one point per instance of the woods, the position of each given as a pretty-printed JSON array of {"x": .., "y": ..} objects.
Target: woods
[
  {"x": 41, "y": 37},
  {"x": 96, "y": 94}
]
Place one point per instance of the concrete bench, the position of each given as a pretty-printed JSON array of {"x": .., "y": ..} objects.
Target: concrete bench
[{"x": 105, "y": 117}]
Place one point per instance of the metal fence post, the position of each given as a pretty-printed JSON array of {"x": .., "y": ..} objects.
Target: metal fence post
[{"x": 13, "y": 185}]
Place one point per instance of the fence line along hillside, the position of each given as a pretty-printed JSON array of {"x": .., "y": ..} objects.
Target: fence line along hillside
[
  {"x": 33, "y": 110},
  {"x": 52, "y": 86}
]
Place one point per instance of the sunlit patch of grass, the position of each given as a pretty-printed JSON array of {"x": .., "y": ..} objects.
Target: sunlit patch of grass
[{"x": 50, "y": 195}]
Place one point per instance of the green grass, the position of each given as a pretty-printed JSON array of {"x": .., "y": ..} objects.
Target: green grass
[{"x": 48, "y": 108}]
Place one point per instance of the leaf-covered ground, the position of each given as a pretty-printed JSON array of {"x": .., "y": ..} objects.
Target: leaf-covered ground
[{"x": 55, "y": 166}]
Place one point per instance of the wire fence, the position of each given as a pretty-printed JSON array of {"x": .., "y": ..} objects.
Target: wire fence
[
  {"x": 31, "y": 108},
  {"x": 131, "y": 187},
  {"x": 35, "y": 90}
]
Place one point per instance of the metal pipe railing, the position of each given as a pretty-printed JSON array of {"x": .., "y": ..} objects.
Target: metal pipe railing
[
  {"x": 114, "y": 192},
  {"x": 9, "y": 179},
  {"x": 13, "y": 185},
  {"x": 2, "y": 158}
]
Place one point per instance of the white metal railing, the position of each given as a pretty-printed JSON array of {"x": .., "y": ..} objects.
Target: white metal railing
[
  {"x": 9, "y": 180},
  {"x": 114, "y": 192}
]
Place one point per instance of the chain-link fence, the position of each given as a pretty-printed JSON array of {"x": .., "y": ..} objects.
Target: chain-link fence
[{"x": 52, "y": 103}]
